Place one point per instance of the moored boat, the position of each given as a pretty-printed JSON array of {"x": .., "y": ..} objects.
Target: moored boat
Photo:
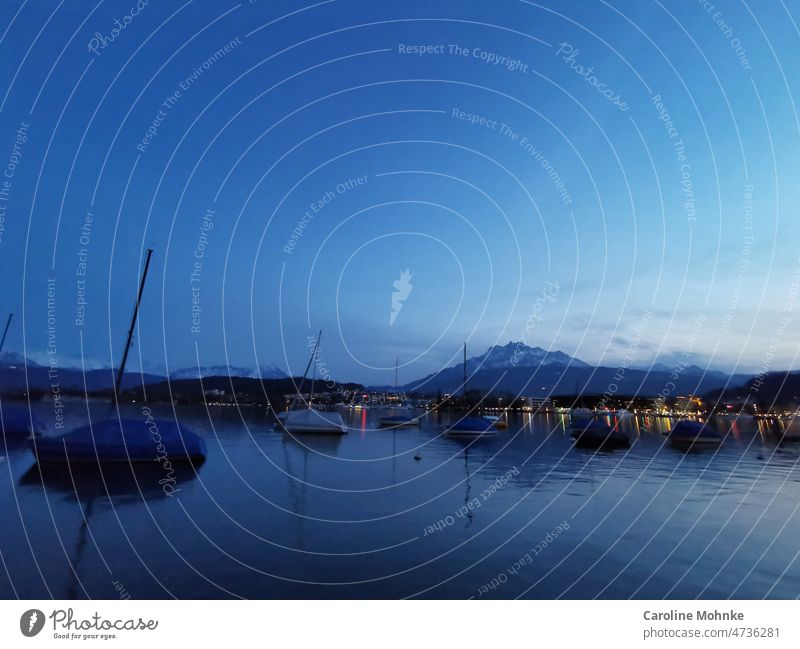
[
  {"x": 122, "y": 440},
  {"x": 471, "y": 427},
  {"x": 19, "y": 422},
  {"x": 790, "y": 432},
  {"x": 308, "y": 419},
  {"x": 498, "y": 421},
  {"x": 579, "y": 417},
  {"x": 596, "y": 434},
  {"x": 694, "y": 434},
  {"x": 398, "y": 421},
  {"x": 311, "y": 420}
]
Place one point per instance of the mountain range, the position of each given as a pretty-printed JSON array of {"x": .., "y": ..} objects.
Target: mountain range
[
  {"x": 512, "y": 368},
  {"x": 265, "y": 372},
  {"x": 18, "y": 374},
  {"x": 521, "y": 370}
]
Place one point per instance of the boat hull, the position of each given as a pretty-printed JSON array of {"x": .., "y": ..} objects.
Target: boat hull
[
  {"x": 597, "y": 435},
  {"x": 472, "y": 427},
  {"x": 613, "y": 441},
  {"x": 497, "y": 422},
  {"x": 455, "y": 432},
  {"x": 126, "y": 440},
  {"x": 17, "y": 421},
  {"x": 398, "y": 422},
  {"x": 681, "y": 440},
  {"x": 580, "y": 417},
  {"x": 313, "y": 422},
  {"x": 693, "y": 435}
]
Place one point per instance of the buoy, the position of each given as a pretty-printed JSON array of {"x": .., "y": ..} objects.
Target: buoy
[{"x": 417, "y": 457}]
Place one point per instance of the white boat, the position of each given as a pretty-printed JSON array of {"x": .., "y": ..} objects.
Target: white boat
[
  {"x": 311, "y": 420},
  {"x": 398, "y": 421},
  {"x": 308, "y": 419},
  {"x": 739, "y": 416}
]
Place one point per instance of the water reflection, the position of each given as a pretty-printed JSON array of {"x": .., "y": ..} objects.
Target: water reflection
[
  {"x": 276, "y": 515},
  {"x": 96, "y": 488},
  {"x": 116, "y": 484}
]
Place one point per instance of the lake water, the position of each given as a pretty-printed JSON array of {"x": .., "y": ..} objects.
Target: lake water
[{"x": 522, "y": 515}]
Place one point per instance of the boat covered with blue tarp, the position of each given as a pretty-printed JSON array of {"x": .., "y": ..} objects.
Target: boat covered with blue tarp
[
  {"x": 122, "y": 440},
  {"x": 595, "y": 434},
  {"x": 688, "y": 433},
  {"x": 17, "y": 421},
  {"x": 472, "y": 427}
]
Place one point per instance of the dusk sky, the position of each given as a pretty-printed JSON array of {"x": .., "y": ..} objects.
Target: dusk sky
[{"x": 579, "y": 177}]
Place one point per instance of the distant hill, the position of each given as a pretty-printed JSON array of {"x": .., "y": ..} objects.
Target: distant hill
[
  {"x": 778, "y": 388},
  {"x": 18, "y": 374},
  {"x": 513, "y": 368},
  {"x": 13, "y": 379},
  {"x": 226, "y": 389}
]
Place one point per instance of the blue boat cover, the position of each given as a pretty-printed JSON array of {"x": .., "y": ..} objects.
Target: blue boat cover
[
  {"x": 696, "y": 429},
  {"x": 472, "y": 424},
  {"x": 126, "y": 440},
  {"x": 19, "y": 421}
]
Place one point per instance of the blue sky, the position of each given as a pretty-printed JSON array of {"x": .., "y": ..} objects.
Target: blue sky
[{"x": 646, "y": 223}]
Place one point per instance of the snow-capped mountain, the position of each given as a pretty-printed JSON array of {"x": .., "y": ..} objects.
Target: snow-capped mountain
[
  {"x": 517, "y": 354},
  {"x": 265, "y": 372},
  {"x": 519, "y": 369},
  {"x": 488, "y": 368},
  {"x": 8, "y": 359}
]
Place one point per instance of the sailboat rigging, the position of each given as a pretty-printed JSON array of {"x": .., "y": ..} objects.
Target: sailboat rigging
[
  {"x": 309, "y": 419},
  {"x": 117, "y": 439}
]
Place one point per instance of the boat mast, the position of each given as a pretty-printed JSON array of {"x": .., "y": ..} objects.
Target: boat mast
[
  {"x": 308, "y": 365},
  {"x": 396, "y": 362},
  {"x": 465, "y": 371},
  {"x": 314, "y": 371},
  {"x": 8, "y": 324},
  {"x": 118, "y": 382}
]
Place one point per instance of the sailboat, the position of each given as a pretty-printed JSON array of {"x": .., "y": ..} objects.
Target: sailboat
[
  {"x": 115, "y": 439},
  {"x": 16, "y": 421},
  {"x": 596, "y": 434},
  {"x": 398, "y": 421},
  {"x": 471, "y": 426},
  {"x": 19, "y": 422},
  {"x": 498, "y": 421},
  {"x": 309, "y": 419},
  {"x": 788, "y": 431},
  {"x": 688, "y": 435}
]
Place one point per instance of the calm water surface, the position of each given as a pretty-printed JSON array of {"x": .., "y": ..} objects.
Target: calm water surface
[{"x": 521, "y": 515}]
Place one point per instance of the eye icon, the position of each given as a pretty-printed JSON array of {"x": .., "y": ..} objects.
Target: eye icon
[{"x": 31, "y": 622}]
